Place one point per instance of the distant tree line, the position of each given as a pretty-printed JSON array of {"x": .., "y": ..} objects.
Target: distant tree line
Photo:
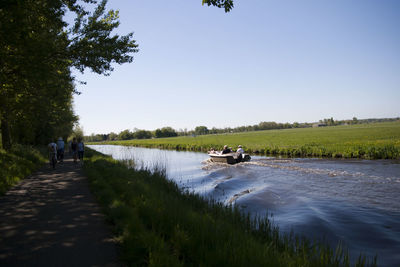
[
  {"x": 135, "y": 134},
  {"x": 202, "y": 130},
  {"x": 332, "y": 122}
]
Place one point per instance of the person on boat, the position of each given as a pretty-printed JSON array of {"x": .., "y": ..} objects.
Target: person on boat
[
  {"x": 226, "y": 150},
  {"x": 212, "y": 151},
  {"x": 239, "y": 153}
]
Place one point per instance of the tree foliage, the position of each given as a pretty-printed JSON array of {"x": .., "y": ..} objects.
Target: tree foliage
[
  {"x": 38, "y": 49},
  {"x": 142, "y": 134},
  {"x": 92, "y": 45},
  {"x": 125, "y": 135},
  {"x": 165, "y": 132},
  {"x": 199, "y": 130},
  {"x": 227, "y": 5}
]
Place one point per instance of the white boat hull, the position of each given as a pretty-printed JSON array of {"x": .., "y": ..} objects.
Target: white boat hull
[{"x": 231, "y": 158}]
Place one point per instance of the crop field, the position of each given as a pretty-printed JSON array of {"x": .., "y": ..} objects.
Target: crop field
[{"x": 370, "y": 141}]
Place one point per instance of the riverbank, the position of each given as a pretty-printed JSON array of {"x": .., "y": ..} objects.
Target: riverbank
[
  {"x": 157, "y": 223},
  {"x": 17, "y": 164},
  {"x": 368, "y": 141}
]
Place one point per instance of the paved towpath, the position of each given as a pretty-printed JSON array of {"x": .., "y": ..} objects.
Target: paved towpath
[{"x": 51, "y": 219}]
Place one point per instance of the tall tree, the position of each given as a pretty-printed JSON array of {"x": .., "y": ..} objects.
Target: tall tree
[{"x": 38, "y": 49}]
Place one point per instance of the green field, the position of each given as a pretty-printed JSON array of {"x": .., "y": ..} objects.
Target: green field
[{"x": 371, "y": 141}]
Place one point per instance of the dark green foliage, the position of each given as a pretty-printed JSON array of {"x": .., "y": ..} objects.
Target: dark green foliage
[
  {"x": 226, "y": 4},
  {"x": 36, "y": 85},
  {"x": 199, "y": 130},
  {"x": 142, "y": 134},
  {"x": 159, "y": 224},
  {"x": 165, "y": 132},
  {"x": 92, "y": 45},
  {"x": 37, "y": 52},
  {"x": 125, "y": 135}
]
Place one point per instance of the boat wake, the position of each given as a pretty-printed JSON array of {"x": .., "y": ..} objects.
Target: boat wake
[
  {"x": 236, "y": 196},
  {"x": 289, "y": 165}
]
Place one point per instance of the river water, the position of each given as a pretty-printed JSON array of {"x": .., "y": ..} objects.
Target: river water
[{"x": 356, "y": 202}]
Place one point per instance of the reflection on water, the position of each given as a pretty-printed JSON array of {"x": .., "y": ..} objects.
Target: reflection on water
[{"x": 353, "y": 201}]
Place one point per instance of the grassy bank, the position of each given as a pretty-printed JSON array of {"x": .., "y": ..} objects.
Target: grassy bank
[
  {"x": 18, "y": 163},
  {"x": 371, "y": 141},
  {"x": 159, "y": 225}
]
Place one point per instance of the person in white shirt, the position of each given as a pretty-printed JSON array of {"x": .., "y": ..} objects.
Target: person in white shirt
[{"x": 239, "y": 153}]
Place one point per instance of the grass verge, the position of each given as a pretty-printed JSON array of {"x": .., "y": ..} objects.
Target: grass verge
[
  {"x": 158, "y": 224},
  {"x": 18, "y": 163}
]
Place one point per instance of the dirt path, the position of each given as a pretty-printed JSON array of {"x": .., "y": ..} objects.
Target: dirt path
[{"x": 51, "y": 219}]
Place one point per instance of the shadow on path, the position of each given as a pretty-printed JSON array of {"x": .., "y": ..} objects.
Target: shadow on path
[{"x": 52, "y": 219}]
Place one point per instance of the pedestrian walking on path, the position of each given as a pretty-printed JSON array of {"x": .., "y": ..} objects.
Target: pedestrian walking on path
[
  {"x": 74, "y": 148},
  {"x": 81, "y": 150},
  {"x": 60, "y": 149},
  {"x": 51, "y": 219}
]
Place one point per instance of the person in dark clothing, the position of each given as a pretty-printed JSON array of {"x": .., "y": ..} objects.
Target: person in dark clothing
[
  {"x": 74, "y": 148},
  {"x": 226, "y": 150},
  {"x": 60, "y": 149},
  {"x": 81, "y": 150}
]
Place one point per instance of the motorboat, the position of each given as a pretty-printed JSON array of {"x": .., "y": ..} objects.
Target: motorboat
[{"x": 230, "y": 158}]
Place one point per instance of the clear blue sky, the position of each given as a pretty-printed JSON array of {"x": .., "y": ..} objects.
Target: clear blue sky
[{"x": 266, "y": 60}]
